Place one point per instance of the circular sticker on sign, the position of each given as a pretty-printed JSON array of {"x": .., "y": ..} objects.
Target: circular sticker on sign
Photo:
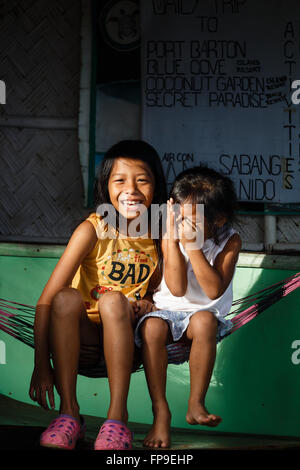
[{"x": 119, "y": 24}]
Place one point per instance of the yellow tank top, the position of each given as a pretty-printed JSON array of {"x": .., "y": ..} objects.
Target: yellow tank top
[{"x": 123, "y": 264}]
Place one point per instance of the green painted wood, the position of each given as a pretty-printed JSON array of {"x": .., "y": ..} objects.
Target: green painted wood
[
  {"x": 31, "y": 250},
  {"x": 246, "y": 259}
]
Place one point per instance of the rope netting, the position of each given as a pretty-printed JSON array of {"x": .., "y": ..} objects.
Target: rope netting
[
  {"x": 17, "y": 319},
  {"x": 253, "y": 305}
]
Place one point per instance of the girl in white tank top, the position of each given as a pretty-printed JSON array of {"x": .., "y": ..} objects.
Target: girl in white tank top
[{"x": 194, "y": 297}]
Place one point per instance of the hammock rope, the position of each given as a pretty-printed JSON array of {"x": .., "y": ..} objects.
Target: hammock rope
[
  {"x": 17, "y": 319},
  {"x": 253, "y": 305}
]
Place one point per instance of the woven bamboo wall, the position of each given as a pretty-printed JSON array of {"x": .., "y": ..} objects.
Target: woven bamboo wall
[{"x": 41, "y": 184}]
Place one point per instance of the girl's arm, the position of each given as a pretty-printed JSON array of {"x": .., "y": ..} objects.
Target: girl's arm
[
  {"x": 146, "y": 305},
  {"x": 215, "y": 279},
  {"x": 174, "y": 267},
  {"x": 174, "y": 261},
  {"x": 154, "y": 282},
  {"x": 81, "y": 243}
]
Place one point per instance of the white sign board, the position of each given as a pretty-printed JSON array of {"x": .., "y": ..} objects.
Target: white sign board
[{"x": 216, "y": 88}]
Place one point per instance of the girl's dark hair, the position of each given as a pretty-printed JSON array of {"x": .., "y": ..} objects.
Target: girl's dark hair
[
  {"x": 203, "y": 185},
  {"x": 133, "y": 149}
]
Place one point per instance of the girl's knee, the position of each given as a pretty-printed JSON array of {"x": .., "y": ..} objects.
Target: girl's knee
[
  {"x": 115, "y": 305},
  {"x": 67, "y": 301},
  {"x": 154, "y": 329},
  {"x": 203, "y": 322}
]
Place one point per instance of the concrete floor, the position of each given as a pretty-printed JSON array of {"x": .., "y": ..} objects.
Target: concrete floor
[{"x": 21, "y": 425}]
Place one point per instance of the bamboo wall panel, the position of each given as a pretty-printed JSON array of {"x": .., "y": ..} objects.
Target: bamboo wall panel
[{"x": 41, "y": 183}]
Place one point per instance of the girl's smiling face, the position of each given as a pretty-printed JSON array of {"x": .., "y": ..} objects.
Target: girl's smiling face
[{"x": 130, "y": 186}]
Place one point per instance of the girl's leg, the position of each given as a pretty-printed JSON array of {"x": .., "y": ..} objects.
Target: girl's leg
[
  {"x": 155, "y": 334},
  {"x": 201, "y": 332},
  {"x": 118, "y": 342},
  {"x": 69, "y": 325}
]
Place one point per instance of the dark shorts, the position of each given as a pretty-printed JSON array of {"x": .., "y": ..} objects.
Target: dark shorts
[{"x": 96, "y": 368}]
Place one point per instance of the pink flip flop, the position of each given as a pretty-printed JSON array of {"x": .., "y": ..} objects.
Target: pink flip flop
[
  {"x": 114, "y": 435},
  {"x": 63, "y": 433}
]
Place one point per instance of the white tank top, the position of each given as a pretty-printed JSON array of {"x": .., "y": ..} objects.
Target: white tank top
[{"x": 195, "y": 299}]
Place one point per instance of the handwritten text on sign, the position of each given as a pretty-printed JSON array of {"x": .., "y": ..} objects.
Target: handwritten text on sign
[{"x": 217, "y": 82}]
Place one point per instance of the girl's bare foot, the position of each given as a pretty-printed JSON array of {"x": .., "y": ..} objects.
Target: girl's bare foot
[
  {"x": 159, "y": 434},
  {"x": 198, "y": 414}
]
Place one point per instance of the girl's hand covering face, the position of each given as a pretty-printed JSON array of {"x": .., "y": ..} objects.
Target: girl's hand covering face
[
  {"x": 187, "y": 232},
  {"x": 171, "y": 222},
  {"x": 191, "y": 226},
  {"x": 184, "y": 225}
]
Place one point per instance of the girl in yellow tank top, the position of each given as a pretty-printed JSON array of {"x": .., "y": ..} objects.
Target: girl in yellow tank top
[
  {"x": 87, "y": 312},
  {"x": 119, "y": 264}
]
